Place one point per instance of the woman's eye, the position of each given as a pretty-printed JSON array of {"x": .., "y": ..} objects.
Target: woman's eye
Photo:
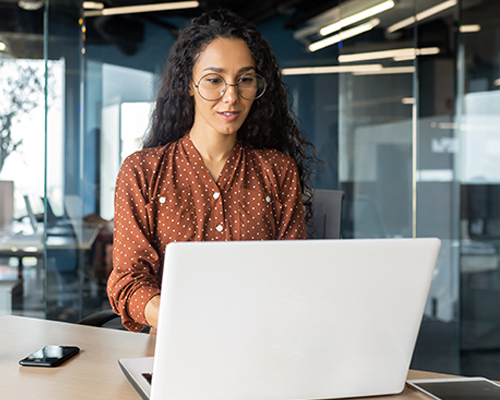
[
  {"x": 213, "y": 80},
  {"x": 246, "y": 79}
]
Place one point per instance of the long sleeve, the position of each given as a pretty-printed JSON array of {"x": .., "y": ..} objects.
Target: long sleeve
[{"x": 135, "y": 276}]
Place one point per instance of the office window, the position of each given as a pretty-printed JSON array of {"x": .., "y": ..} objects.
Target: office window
[
  {"x": 22, "y": 115},
  {"x": 23, "y": 112},
  {"x": 125, "y": 120}
]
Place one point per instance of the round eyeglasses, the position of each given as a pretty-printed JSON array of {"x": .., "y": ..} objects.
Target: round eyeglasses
[{"x": 213, "y": 86}]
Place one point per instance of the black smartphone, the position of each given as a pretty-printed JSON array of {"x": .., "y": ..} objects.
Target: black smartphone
[{"x": 50, "y": 356}]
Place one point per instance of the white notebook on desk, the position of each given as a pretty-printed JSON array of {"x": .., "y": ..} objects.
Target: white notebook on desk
[{"x": 287, "y": 320}]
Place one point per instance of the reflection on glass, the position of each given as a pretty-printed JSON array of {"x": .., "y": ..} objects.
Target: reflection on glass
[
  {"x": 392, "y": 177},
  {"x": 46, "y": 353},
  {"x": 478, "y": 133}
]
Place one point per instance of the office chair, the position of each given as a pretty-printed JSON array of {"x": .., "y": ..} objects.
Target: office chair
[
  {"x": 108, "y": 319},
  {"x": 99, "y": 318},
  {"x": 327, "y": 209}
]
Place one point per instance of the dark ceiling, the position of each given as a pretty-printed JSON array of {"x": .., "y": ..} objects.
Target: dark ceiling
[
  {"x": 127, "y": 31},
  {"x": 296, "y": 12},
  {"x": 24, "y": 29}
]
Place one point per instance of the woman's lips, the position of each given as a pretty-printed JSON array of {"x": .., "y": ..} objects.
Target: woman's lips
[{"x": 229, "y": 115}]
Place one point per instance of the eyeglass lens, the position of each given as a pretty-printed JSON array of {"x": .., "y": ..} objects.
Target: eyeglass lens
[{"x": 213, "y": 86}]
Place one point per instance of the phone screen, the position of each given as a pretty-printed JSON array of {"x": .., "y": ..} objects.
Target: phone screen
[
  {"x": 462, "y": 390},
  {"x": 50, "y": 356}
]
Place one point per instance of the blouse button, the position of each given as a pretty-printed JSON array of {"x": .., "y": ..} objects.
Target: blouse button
[
  {"x": 216, "y": 195},
  {"x": 219, "y": 228},
  {"x": 162, "y": 200},
  {"x": 268, "y": 199}
]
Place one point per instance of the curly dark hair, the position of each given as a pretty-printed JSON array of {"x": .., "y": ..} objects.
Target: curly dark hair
[{"x": 270, "y": 124}]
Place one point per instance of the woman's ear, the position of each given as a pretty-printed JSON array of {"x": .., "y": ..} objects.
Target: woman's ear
[{"x": 191, "y": 89}]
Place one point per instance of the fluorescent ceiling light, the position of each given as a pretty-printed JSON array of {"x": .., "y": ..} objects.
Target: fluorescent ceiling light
[
  {"x": 497, "y": 82},
  {"x": 30, "y": 5},
  {"x": 422, "y": 15},
  {"x": 344, "y": 35},
  {"x": 436, "y": 9},
  {"x": 3, "y": 46},
  {"x": 388, "y": 71},
  {"x": 401, "y": 24},
  {"x": 428, "y": 51},
  {"x": 143, "y": 8},
  {"x": 408, "y": 100},
  {"x": 92, "y": 5},
  {"x": 397, "y": 54},
  {"x": 330, "y": 70},
  {"x": 470, "y": 28},
  {"x": 406, "y": 57},
  {"x": 352, "y": 19}
]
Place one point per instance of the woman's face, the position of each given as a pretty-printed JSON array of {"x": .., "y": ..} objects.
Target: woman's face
[{"x": 231, "y": 59}]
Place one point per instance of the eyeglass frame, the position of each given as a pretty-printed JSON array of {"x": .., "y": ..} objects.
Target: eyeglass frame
[{"x": 223, "y": 92}]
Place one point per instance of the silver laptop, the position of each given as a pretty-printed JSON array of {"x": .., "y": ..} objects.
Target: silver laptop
[{"x": 287, "y": 320}]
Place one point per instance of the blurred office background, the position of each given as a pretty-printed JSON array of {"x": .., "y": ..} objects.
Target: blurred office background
[{"x": 402, "y": 104}]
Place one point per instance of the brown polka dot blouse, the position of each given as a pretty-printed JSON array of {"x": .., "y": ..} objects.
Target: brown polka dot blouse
[{"x": 166, "y": 194}]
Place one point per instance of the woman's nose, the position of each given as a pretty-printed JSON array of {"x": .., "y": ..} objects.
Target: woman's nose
[{"x": 231, "y": 95}]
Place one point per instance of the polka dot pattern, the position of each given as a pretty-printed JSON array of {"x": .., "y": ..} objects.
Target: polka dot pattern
[{"x": 166, "y": 194}]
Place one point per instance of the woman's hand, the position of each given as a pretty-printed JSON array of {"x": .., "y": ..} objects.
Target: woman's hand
[{"x": 151, "y": 311}]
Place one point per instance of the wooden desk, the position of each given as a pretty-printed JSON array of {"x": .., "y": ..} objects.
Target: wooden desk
[{"x": 94, "y": 373}]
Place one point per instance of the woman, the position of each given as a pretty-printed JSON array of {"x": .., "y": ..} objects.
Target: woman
[{"x": 224, "y": 160}]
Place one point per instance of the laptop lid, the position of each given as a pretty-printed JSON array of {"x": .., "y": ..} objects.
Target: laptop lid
[{"x": 286, "y": 320}]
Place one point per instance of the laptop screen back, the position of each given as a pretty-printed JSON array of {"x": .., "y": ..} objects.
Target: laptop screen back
[{"x": 290, "y": 320}]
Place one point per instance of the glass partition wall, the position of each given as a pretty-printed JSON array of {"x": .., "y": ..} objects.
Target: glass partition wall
[
  {"x": 477, "y": 135},
  {"x": 22, "y": 159},
  {"x": 397, "y": 171},
  {"x": 109, "y": 86},
  {"x": 400, "y": 103},
  {"x": 65, "y": 246}
]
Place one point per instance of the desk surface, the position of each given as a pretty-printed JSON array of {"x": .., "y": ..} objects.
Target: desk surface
[{"x": 94, "y": 373}]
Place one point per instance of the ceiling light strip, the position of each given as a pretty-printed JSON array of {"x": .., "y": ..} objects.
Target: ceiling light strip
[
  {"x": 143, "y": 8},
  {"x": 352, "y": 19},
  {"x": 320, "y": 44},
  {"x": 388, "y": 71},
  {"x": 401, "y": 24},
  {"x": 30, "y": 5},
  {"x": 92, "y": 5},
  {"x": 331, "y": 69},
  {"x": 399, "y": 54},
  {"x": 376, "y": 55},
  {"x": 470, "y": 28},
  {"x": 422, "y": 15},
  {"x": 436, "y": 9},
  {"x": 428, "y": 51}
]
